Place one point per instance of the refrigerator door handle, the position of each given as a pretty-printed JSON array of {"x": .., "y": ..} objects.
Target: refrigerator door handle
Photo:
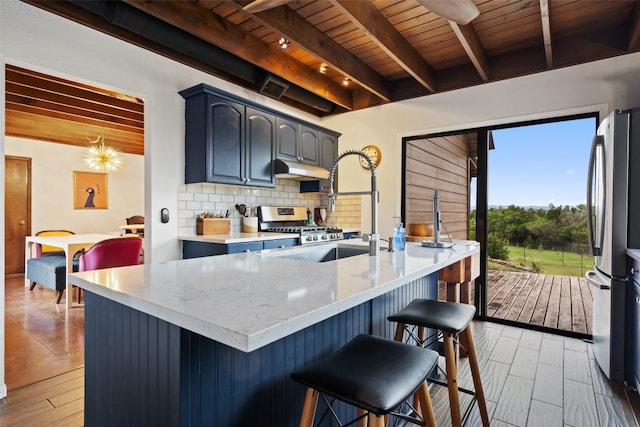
[
  {"x": 596, "y": 249},
  {"x": 593, "y": 280}
]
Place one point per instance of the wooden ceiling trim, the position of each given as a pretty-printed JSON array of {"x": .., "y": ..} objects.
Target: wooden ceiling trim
[
  {"x": 201, "y": 22},
  {"x": 60, "y": 101},
  {"x": 37, "y": 85},
  {"x": 575, "y": 50},
  {"x": 307, "y": 9},
  {"x": 42, "y": 128},
  {"x": 500, "y": 42},
  {"x": 371, "y": 21},
  {"x": 634, "y": 29},
  {"x": 14, "y": 103},
  {"x": 14, "y": 73},
  {"x": 293, "y": 27},
  {"x": 546, "y": 32},
  {"x": 472, "y": 45},
  {"x": 42, "y": 107},
  {"x": 588, "y": 16}
]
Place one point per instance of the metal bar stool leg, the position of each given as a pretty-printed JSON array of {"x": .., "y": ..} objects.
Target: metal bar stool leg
[{"x": 466, "y": 339}]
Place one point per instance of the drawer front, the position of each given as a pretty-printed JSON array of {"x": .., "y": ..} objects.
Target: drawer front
[
  {"x": 280, "y": 243},
  {"x": 235, "y": 248}
]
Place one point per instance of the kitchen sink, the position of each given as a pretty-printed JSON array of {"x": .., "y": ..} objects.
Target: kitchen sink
[{"x": 320, "y": 253}]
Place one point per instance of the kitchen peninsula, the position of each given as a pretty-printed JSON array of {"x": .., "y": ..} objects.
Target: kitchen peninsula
[{"x": 212, "y": 340}]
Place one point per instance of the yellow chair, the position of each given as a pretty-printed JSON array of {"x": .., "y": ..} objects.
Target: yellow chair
[{"x": 46, "y": 250}]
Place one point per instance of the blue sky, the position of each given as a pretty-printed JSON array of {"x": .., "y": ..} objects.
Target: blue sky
[{"x": 541, "y": 164}]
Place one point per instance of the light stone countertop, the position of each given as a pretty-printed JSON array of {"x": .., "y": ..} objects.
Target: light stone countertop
[{"x": 252, "y": 299}]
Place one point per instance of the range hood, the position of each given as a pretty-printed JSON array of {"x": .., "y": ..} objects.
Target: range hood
[{"x": 299, "y": 171}]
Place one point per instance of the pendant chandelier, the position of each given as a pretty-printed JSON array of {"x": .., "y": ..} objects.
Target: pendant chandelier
[{"x": 102, "y": 158}]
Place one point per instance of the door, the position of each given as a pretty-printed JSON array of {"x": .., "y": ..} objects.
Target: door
[{"x": 17, "y": 202}]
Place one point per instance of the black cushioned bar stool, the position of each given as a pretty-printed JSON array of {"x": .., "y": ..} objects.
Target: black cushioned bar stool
[
  {"x": 373, "y": 374},
  {"x": 453, "y": 320}
]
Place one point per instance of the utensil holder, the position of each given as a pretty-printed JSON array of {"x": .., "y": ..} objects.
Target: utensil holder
[{"x": 250, "y": 224}]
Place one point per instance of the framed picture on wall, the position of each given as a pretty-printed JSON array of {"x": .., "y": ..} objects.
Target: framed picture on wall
[{"x": 90, "y": 190}]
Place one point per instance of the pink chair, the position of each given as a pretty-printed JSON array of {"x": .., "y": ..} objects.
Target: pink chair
[{"x": 116, "y": 252}]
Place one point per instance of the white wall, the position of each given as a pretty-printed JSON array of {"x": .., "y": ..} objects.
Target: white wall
[
  {"x": 35, "y": 39},
  {"x": 52, "y": 167}
]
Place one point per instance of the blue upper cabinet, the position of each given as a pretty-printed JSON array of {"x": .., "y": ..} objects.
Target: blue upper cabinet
[
  {"x": 260, "y": 148},
  {"x": 296, "y": 141},
  {"x": 226, "y": 141},
  {"x": 229, "y": 140}
]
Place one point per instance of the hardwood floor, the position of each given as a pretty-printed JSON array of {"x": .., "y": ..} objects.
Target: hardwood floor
[
  {"x": 42, "y": 340},
  {"x": 530, "y": 378},
  {"x": 555, "y": 302}
]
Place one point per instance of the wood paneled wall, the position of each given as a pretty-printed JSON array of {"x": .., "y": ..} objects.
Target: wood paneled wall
[{"x": 442, "y": 164}]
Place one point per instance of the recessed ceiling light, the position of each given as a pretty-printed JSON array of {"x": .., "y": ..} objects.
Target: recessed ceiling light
[
  {"x": 345, "y": 81},
  {"x": 323, "y": 68}
]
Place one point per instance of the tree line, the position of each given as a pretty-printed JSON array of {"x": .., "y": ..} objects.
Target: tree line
[{"x": 562, "y": 227}]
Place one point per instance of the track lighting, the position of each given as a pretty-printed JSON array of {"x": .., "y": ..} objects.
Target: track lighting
[{"x": 284, "y": 43}]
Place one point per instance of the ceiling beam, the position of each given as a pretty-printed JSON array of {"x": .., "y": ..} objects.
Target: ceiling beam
[
  {"x": 634, "y": 28},
  {"x": 203, "y": 23},
  {"x": 374, "y": 24},
  {"x": 470, "y": 41},
  {"x": 546, "y": 32},
  {"x": 299, "y": 31}
]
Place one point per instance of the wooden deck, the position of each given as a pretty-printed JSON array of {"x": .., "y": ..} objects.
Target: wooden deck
[{"x": 559, "y": 302}]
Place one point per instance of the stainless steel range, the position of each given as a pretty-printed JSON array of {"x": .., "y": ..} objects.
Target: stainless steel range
[{"x": 293, "y": 219}]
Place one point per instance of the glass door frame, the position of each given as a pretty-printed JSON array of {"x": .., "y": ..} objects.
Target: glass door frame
[{"x": 484, "y": 139}]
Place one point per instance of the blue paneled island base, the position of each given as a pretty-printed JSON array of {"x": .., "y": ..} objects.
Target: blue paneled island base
[{"x": 144, "y": 371}]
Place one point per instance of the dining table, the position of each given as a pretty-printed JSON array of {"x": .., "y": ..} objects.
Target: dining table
[
  {"x": 70, "y": 244},
  {"x": 135, "y": 228}
]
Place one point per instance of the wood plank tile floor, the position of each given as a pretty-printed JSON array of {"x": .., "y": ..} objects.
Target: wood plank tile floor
[
  {"x": 534, "y": 378},
  {"x": 530, "y": 378}
]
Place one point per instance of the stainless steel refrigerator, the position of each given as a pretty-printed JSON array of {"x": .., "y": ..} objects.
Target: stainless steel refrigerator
[{"x": 608, "y": 218}]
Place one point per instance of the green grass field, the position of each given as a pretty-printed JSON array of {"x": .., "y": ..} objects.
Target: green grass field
[{"x": 549, "y": 262}]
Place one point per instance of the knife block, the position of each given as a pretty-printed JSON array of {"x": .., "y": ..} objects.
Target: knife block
[{"x": 206, "y": 226}]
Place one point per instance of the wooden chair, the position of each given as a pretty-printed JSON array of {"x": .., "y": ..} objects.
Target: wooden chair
[
  {"x": 135, "y": 219},
  {"x": 46, "y": 250}
]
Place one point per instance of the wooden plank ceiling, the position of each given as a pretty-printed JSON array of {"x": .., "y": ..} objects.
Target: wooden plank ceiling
[
  {"x": 346, "y": 55},
  {"x": 47, "y": 108}
]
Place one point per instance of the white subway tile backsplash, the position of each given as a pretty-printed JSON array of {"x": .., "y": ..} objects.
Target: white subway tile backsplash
[{"x": 193, "y": 199}]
